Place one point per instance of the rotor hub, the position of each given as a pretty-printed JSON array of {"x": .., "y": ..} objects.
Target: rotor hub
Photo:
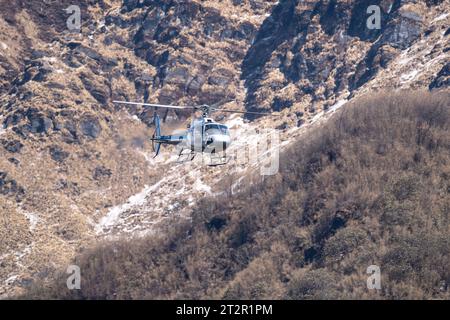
[{"x": 205, "y": 110}]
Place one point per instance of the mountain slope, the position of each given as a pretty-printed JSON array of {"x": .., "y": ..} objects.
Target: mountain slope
[
  {"x": 75, "y": 168},
  {"x": 371, "y": 187}
]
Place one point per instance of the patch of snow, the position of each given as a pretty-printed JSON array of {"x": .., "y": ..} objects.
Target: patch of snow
[
  {"x": 138, "y": 199},
  {"x": 184, "y": 183},
  {"x": 33, "y": 218},
  {"x": 234, "y": 121},
  {"x": 441, "y": 17},
  {"x": 436, "y": 60},
  {"x": 409, "y": 76},
  {"x": 390, "y": 8},
  {"x": 20, "y": 254},
  {"x": 101, "y": 24},
  {"x": 200, "y": 186},
  {"x": 162, "y": 158},
  {"x": 2, "y": 129},
  {"x": 181, "y": 191},
  {"x": 146, "y": 155},
  {"x": 191, "y": 201},
  {"x": 90, "y": 221},
  {"x": 405, "y": 60},
  {"x": 316, "y": 117},
  {"x": 50, "y": 59},
  {"x": 235, "y": 186},
  {"x": 11, "y": 280},
  {"x": 337, "y": 105}
]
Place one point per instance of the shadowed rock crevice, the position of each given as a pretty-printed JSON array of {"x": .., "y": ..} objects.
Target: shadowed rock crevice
[{"x": 306, "y": 42}]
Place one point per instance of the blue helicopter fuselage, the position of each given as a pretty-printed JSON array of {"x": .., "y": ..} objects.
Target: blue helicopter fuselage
[{"x": 203, "y": 135}]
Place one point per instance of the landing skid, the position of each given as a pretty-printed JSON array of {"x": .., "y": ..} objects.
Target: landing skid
[
  {"x": 215, "y": 159},
  {"x": 185, "y": 156}
]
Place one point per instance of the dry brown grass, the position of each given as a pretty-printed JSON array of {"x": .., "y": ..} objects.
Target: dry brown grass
[{"x": 370, "y": 187}]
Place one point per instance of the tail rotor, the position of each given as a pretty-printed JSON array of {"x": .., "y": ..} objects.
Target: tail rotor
[{"x": 156, "y": 135}]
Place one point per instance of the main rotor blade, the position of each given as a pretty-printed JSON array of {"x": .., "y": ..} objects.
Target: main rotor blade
[
  {"x": 234, "y": 111},
  {"x": 155, "y": 105}
]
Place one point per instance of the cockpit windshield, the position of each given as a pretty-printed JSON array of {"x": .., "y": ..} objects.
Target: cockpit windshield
[{"x": 216, "y": 129}]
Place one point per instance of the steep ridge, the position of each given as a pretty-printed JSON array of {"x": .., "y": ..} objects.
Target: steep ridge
[
  {"x": 307, "y": 54},
  {"x": 75, "y": 168}
]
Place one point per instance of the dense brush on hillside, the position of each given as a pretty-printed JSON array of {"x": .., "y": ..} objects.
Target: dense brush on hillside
[{"x": 372, "y": 186}]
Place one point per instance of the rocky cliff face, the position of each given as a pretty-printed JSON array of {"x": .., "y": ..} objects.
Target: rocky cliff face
[
  {"x": 68, "y": 155},
  {"x": 320, "y": 50}
]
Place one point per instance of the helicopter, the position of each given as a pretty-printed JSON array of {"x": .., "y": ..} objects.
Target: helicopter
[{"x": 203, "y": 135}]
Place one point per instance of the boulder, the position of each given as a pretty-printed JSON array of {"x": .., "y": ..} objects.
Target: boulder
[
  {"x": 41, "y": 74},
  {"x": 219, "y": 80},
  {"x": 442, "y": 79},
  {"x": 98, "y": 91},
  {"x": 178, "y": 76},
  {"x": 12, "y": 146},
  {"x": 245, "y": 30},
  {"x": 14, "y": 161},
  {"x": 38, "y": 123},
  {"x": 147, "y": 31},
  {"x": 71, "y": 133},
  {"x": 13, "y": 119},
  {"x": 130, "y": 5},
  {"x": 73, "y": 45},
  {"x": 279, "y": 104},
  {"x": 10, "y": 187},
  {"x": 90, "y": 127},
  {"x": 196, "y": 83},
  {"x": 187, "y": 11},
  {"x": 101, "y": 172},
  {"x": 89, "y": 53},
  {"x": 400, "y": 33},
  {"x": 58, "y": 154}
]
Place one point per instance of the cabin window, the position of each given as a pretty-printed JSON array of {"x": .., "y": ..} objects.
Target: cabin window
[
  {"x": 212, "y": 127},
  {"x": 224, "y": 130}
]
